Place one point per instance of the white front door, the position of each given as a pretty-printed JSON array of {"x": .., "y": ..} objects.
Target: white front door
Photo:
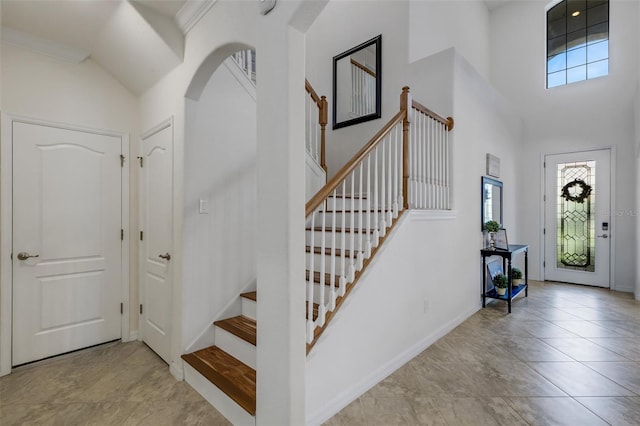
[
  {"x": 156, "y": 247},
  {"x": 578, "y": 226},
  {"x": 66, "y": 240}
]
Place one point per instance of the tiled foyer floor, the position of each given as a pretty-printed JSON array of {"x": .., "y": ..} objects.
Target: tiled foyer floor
[{"x": 567, "y": 355}]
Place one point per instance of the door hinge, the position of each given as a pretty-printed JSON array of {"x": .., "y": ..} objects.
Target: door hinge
[
  {"x": 544, "y": 231},
  {"x": 122, "y": 235},
  {"x": 141, "y": 309},
  {"x": 121, "y": 308},
  {"x": 544, "y": 264},
  {"x": 121, "y": 160},
  {"x": 544, "y": 198},
  {"x": 141, "y": 235},
  {"x": 141, "y": 159},
  {"x": 544, "y": 165}
]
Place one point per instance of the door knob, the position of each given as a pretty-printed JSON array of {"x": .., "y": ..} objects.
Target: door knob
[
  {"x": 23, "y": 255},
  {"x": 602, "y": 236},
  {"x": 165, "y": 256}
]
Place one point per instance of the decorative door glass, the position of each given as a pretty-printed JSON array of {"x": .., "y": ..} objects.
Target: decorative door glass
[{"x": 576, "y": 222}]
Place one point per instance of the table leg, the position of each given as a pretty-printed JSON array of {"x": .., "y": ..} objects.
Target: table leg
[
  {"x": 526, "y": 273},
  {"x": 484, "y": 280},
  {"x": 509, "y": 280}
]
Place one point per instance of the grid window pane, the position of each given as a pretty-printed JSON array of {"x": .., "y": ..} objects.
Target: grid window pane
[
  {"x": 598, "y": 51},
  {"x": 577, "y": 41},
  {"x": 596, "y": 15},
  {"x": 557, "y": 79},
  {"x": 598, "y": 69},
  {"x": 576, "y": 57},
  {"x": 577, "y": 74},
  {"x": 598, "y": 32},
  {"x": 557, "y": 63}
]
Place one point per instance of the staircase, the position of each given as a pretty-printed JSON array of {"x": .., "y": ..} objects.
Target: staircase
[
  {"x": 347, "y": 221},
  {"x": 224, "y": 374}
]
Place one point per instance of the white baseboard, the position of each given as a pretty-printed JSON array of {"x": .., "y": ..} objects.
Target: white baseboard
[
  {"x": 349, "y": 395},
  {"x": 176, "y": 370}
]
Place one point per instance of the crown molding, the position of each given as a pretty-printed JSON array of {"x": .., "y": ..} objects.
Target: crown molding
[
  {"x": 44, "y": 46},
  {"x": 191, "y": 12}
]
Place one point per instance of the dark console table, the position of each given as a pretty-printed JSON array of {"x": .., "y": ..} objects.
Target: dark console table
[{"x": 507, "y": 255}]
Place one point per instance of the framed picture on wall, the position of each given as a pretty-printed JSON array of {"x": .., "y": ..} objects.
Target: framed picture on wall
[{"x": 501, "y": 240}]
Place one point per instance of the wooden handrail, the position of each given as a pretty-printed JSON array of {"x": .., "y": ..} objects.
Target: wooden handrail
[
  {"x": 363, "y": 68},
  {"x": 342, "y": 174},
  {"x": 423, "y": 109},
  {"x": 323, "y": 119},
  {"x": 312, "y": 92}
]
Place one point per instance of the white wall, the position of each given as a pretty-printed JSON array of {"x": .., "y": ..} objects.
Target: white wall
[
  {"x": 84, "y": 94},
  {"x": 438, "y": 25},
  {"x": 369, "y": 337},
  {"x": 220, "y": 168},
  {"x": 637, "y": 211},
  {"x": 358, "y": 22},
  {"x": 580, "y": 116},
  {"x": 279, "y": 41}
]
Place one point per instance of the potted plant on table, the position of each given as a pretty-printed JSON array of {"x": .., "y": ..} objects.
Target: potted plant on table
[
  {"x": 516, "y": 276},
  {"x": 501, "y": 282},
  {"x": 491, "y": 227}
]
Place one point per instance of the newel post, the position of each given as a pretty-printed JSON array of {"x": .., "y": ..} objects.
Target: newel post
[
  {"x": 323, "y": 113},
  {"x": 405, "y": 106}
]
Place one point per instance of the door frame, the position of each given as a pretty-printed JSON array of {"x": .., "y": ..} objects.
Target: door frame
[
  {"x": 6, "y": 225},
  {"x": 612, "y": 208}
]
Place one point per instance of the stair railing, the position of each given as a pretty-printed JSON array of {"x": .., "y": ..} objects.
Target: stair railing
[
  {"x": 363, "y": 81},
  {"x": 246, "y": 60},
  {"x": 350, "y": 216},
  {"x": 316, "y": 113}
]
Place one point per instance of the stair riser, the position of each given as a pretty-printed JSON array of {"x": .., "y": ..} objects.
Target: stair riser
[
  {"x": 235, "y": 346},
  {"x": 225, "y": 405},
  {"x": 317, "y": 258},
  {"x": 316, "y": 292},
  {"x": 249, "y": 308},
  {"x": 329, "y": 241},
  {"x": 339, "y": 216},
  {"x": 346, "y": 204}
]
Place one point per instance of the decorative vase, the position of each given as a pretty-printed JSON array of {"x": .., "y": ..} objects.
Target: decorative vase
[
  {"x": 492, "y": 242},
  {"x": 501, "y": 291}
]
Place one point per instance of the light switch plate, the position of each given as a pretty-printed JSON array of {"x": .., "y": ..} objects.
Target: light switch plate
[{"x": 204, "y": 206}]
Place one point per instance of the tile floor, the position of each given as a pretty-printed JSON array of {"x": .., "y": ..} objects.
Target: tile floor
[{"x": 567, "y": 355}]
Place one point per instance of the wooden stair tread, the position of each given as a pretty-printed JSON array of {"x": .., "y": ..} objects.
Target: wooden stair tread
[
  {"x": 327, "y": 251},
  {"x": 327, "y": 278},
  {"x": 235, "y": 379},
  {"x": 241, "y": 326},
  {"x": 251, "y": 295}
]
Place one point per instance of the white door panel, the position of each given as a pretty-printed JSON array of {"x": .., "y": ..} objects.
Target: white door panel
[
  {"x": 578, "y": 232},
  {"x": 157, "y": 225},
  {"x": 67, "y": 212}
]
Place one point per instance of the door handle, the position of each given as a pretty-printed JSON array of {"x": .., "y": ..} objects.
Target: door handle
[
  {"x": 165, "y": 256},
  {"x": 602, "y": 236},
  {"x": 23, "y": 255}
]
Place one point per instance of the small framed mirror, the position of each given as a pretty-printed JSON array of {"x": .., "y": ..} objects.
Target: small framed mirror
[
  {"x": 357, "y": 84},
  {"x": 491, "y": 207}
]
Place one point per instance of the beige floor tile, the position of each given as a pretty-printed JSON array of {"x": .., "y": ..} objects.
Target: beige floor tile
[
  {"x": 554, "y": 412},
  {"x": 577, "y": 379},
  {"x": 477, "y": 411},
  {"x": 585, "y": 329},
  {"x": 351, "y": 415},
  {"x": 627, "y": 347},
  {"x": 625, "y": 328},
  {"x": 615, "y": 411},
  {"x": 581, "y": 349},
  {"x": 388, "y": 411},
  {"x": 534, "y": 349},
  {"x": 626, "y": 374}
]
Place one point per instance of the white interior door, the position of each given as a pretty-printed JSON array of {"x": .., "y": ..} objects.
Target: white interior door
[
  {"x": 577, "y": 217},
  {"x": 157, "y": 243},
  {"x": 66, "y": 240}
]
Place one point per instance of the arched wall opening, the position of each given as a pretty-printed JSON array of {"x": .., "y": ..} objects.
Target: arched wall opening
[{"x": 220, "y": 193}]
